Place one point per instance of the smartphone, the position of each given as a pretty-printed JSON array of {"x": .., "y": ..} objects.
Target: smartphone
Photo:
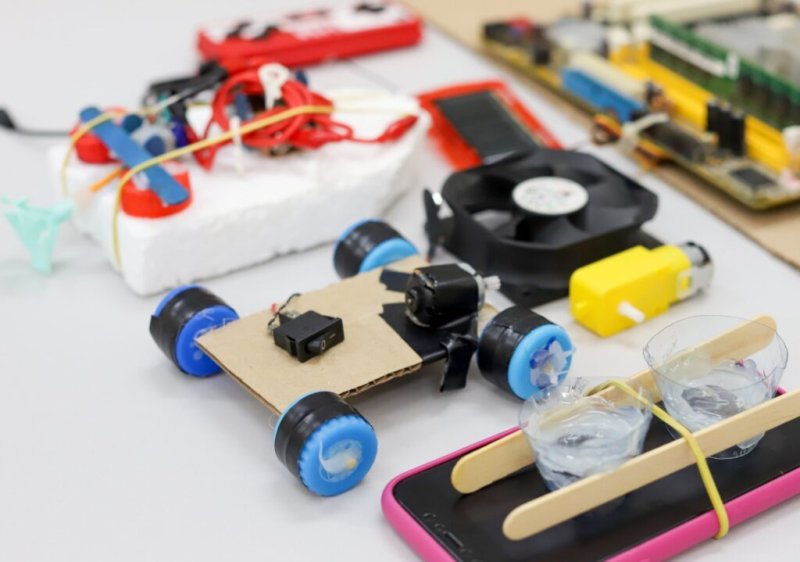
[{"x": 652, "y": 523}]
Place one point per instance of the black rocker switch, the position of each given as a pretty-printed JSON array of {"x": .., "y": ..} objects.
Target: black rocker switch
[{"x": 308, "y": 335}]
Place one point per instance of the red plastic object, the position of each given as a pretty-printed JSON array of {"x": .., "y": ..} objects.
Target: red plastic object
[
  {"x": 310, "y": 37},
  {"x": 144, "y": 203},
  {"x": 91, "y": 149},
  {"x": 460, "y": 154}
]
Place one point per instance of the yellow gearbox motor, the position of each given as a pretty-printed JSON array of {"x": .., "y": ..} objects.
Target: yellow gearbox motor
[{"x": 626, "y": 289}]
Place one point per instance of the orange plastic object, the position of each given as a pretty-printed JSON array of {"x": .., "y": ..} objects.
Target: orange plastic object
[{"x": 460, "y": 154}]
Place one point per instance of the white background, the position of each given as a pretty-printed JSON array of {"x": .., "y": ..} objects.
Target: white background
[{"x": 108, "y": 453}]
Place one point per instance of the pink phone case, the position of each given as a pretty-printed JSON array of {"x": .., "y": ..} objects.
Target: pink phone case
[{"x": 666, "y": 545}]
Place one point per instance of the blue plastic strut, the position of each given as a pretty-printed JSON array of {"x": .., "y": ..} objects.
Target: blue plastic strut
[
  {"x": 132, "y": 154},
  {"x": 37, "y": 227}
]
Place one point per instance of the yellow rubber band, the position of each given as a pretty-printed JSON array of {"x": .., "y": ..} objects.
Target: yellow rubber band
[
  {"x": 702, "y": 463},
  {"x": 76, "y": 136}
]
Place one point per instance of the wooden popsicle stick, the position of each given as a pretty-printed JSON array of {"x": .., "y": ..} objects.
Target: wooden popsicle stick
[
  {"x": 505, "y": 456},
  {"x": 586, "y": 494},
  {"x": 492, "y": 462}
]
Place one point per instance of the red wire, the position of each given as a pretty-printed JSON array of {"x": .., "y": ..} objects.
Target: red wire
[{"x": 308, "y": 131}]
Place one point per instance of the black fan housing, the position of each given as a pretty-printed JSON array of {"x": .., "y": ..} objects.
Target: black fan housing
[{"x": 534, "y": 234}]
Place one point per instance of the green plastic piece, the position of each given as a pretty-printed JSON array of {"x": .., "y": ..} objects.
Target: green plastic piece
[
  {"x": 781, "y": 87},
  {"x": 37, "y": 227}
]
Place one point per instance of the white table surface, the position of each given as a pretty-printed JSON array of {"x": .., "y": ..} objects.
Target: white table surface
[{"x": 108, "y": 453}]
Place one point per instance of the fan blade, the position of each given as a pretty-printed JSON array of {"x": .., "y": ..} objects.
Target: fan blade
[
  {"x": 470, "y": 190},
  {"x": 575, "y": 173},
  {"x": 553, "y": 232},
  {"x": 509, "y": 228},
  {"x": 586, "y": 163},
  {"x": 605, "y": 186},
  {"x": 484, "y": 197},
  {"x": 610, "y": 192},
  {"x": 595, "y": 219},
  {"x": 513, "y": 176},
  {"x": 493, "y": 219}
]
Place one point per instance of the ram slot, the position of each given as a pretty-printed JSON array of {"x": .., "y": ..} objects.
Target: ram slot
[
  {"x": 627, "y": 11},
  {"x": 601, "y": 70}
]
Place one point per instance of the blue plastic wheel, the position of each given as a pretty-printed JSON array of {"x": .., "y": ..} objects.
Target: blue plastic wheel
[
  {"x": 542, "y": 358},
  {"x": 338, "y": 455},
  {"x": 182, "y": 316},
  {"x": 325, "y": 442},
  {"x": 189, "y": 357},
  {"x": 171, "y": 295},
  {"x": 388, "y": 251},
  {"x": 368, "y": 245},
  {"x": 523, "y": 352}
]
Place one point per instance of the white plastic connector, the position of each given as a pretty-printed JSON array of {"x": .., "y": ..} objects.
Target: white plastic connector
[
  {"x": 632, "y": 129},
  {"x": 618, "y": 37},
  {"x": 491, "y": 283},
  {"x": 630, "y": 312},
  {"x": 272, "y": 76},
  {"x": 791, "y": 139}
]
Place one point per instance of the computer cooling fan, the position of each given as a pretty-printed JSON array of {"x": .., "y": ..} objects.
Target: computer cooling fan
[{"x": 532, "y": 219}]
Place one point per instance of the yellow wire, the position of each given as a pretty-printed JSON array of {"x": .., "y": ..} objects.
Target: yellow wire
[
  {"x": 702, "y": 463},
  {"x": 76, "y": 136},
  {"x": 200, "y": 145}
]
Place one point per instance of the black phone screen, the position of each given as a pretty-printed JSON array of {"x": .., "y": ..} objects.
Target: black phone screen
[{"x": 469, "y": 526}]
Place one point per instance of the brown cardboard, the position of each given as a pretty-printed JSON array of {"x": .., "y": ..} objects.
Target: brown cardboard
[
  {"x": 776, "y": 230},
  {"x": 371, "y": 353}
]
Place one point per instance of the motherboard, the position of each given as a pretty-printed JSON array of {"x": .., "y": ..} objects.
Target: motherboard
[{"x": 713, "y": 86}]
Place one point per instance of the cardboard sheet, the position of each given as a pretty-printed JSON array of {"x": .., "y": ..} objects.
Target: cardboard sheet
[
  {"x": 371, "y": 353},
  {"x": 776, "y": 230}
]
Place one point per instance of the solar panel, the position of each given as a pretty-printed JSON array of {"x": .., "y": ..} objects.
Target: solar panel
[{"x": 486, "y": 124}]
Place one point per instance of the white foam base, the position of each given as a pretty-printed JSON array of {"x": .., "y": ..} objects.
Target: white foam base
[{"x": 279, "y": 205}]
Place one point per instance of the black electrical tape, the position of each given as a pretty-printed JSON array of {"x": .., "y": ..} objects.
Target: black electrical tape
[
  {"x": 358, "y": 243},
  {"x": 500, "y": 339},
  {"x": 395, "y": 281},
  {"x": 176, "y": 313},
  {"x": 302, "y": 420}
]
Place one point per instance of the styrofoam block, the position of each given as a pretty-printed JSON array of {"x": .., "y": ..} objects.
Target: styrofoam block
[{"x": 279, "y": 205}]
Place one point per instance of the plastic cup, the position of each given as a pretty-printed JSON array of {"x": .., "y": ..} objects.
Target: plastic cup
[
  {"x": 699, "y": 390},
  {"x": 575, "y": 436}
]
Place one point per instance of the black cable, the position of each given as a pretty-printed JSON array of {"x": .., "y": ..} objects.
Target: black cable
[{"x": 7, "y": 123}]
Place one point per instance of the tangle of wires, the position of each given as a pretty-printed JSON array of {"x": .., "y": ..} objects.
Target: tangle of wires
[
  {"x": 244, "y": 93},
  {"x": 241, "y": 98}
]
